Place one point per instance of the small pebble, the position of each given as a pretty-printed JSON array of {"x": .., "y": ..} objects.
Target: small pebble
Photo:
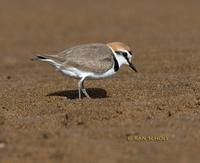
[
  {"x": 2, "y": 145},
  {"x": 66, "y": 119},
  {"x": 169, "y": 114},
  {"x": 45, "y": 135},
  {"x": 80, "y": 123}
]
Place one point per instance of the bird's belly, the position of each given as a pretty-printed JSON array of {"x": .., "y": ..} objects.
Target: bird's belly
[
  {"x": 102, "y": 75},
  {"x": 73, "y": 72},
  {"x": 76, "y": 73}
]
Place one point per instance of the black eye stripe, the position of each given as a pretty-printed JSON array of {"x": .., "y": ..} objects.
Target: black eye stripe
[
  {"x": 122, "y": 53},
  {"x": 118, "y": 52},
  {"x": 126, "y": 58}
]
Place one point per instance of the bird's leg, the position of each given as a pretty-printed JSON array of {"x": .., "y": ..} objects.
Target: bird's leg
[
  {"x": 79, "y": 88},
  {"x": 85, "y": 93},
  {"x": 84, "y": 90}
]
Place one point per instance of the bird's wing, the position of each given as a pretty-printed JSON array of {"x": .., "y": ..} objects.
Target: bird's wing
[
  {"x": 55, "y": 58},
  {"x": 90, "y": 57}
]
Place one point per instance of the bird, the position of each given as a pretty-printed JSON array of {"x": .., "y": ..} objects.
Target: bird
[{"x": 90, "y": 61}]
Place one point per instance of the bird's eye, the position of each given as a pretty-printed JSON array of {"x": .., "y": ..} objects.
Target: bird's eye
[
  {"x": 130, "y": 53},
  {"x": 124, "y": 54}
]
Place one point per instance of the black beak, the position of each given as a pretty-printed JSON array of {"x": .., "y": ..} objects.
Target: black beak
[{"x": 132, "y": 66}]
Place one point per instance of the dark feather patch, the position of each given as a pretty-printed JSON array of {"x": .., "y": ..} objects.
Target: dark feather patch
[
  {"x": 41, "y": 57},
  {"x": 116, "y": 64}
]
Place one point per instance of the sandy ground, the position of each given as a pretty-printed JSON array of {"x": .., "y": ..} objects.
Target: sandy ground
[{"x": 41, "y": 119}]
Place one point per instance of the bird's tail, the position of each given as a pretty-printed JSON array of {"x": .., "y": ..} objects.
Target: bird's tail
[
  {"x": 40, "y": 58},
  {"x": 47, "y": 59}
]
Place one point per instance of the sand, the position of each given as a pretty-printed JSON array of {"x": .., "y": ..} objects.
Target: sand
[{"x": 150, "y": 116}]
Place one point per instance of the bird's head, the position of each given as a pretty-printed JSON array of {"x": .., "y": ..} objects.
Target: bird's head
[{"x": 123, "y": 54}]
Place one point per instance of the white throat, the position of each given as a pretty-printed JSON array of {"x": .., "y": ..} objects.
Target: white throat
[{"x": 120, "y": 59}]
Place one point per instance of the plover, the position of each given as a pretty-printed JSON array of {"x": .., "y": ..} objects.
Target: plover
[{"x": 90, "y": 61}]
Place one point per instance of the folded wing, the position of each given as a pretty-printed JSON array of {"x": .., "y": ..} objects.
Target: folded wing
[{"x": 90, "y": 57}]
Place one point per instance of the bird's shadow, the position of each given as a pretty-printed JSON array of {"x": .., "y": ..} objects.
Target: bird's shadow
[{"x": 94, "y": 93}]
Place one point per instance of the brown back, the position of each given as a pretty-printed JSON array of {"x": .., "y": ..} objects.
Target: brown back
[{"x": 97, "y": 58}]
